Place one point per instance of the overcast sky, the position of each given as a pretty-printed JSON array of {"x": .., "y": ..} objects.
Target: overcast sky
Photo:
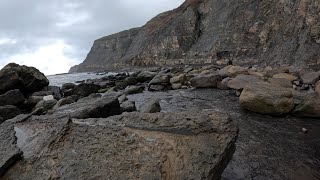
[{"x": 53, "y": 35}]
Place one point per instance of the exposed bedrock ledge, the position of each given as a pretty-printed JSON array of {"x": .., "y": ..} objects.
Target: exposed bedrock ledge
[
  {"x": 247, "y": 32},
  {"x": 129, "y": 146}
]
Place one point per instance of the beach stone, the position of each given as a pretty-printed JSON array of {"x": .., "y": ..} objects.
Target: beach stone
[
  {"x": 146, "y": 76},
  {"x": 85, "y": 89},
  {"x": 128, "y": 146},
  {"x": 309, "y": 107},
  {"x": 8, "y": 112},
  {"x": 48, "y": 98},
  {"x": 91, "y": 108},
  {"x": 263, "y": 98},
  {"x": 280, "y": 82},
  {"x": 26, "y": 79},
  {"x": 310, "y": 77},
  {"x": 285, "y": 76},
  {"x": 12, "y": 97},
  {"x": 205, "y": 81},
  {"x": 133, "y": 89},
  {"x": 241, "y": 81},
  {"x": 128, "y": 106},
  {"x": 152, "y": 106}
]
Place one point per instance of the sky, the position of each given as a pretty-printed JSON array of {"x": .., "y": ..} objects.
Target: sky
[{"x": 53, "y": 35}]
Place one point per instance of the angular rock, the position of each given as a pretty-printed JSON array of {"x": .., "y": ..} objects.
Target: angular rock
[
  {"x": 91, "y": 108},
  {"x": 85, "y": 89},
  {"x": 266, "y": 99},
  {"x": 13, "y": 97},
  {"x": 9, "y": 112},
  {"x": 64, "y": 101},
  {"x": 27, "y": 79},
  {"x": 188, "y": 145},
  {"x": 285, "y": 76},
  {"x": 280, "y": 82},
  {"x": 146, "y": 76},
  {"x": 68, "y": 86},
  {"x": 178, "y": 79},
  {"x": 33, "y": 100},
  {"x": 56, "y": 91},
  {"x": 131, "y": 80},
  {"x": 134, "y": 89},
  {"x": 47, "y": 105},
  {"x": 160, "y": 79},
  {"x": 241, "y": 81},
  {"x": 310, "y": 77},
  {"x": 205, "y": 81},
  {"x": 309, "y": 107},
  {"x": 152, "y": 106},
  {"x": 317, "y": 88},
  {"x": 122, "y": 98},
  {"x": 128, "y": 106}
]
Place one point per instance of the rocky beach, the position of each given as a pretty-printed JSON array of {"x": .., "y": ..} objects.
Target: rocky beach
[
  {"x": 209, "y": 90},
  {"x": 201, "y": 122}
]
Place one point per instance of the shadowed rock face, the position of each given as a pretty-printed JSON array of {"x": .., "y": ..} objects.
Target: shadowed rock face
[
  {"x": 130, "y": 146},
  {"x": 205, "y": 31}
]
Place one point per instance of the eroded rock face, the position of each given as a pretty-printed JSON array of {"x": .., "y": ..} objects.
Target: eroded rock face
[
  {"x": 207, "y": 31},
  {"x": 130, "y": 146}
]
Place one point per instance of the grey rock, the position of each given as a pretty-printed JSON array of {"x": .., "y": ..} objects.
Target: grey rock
[
  {"x": 128, "y": 106},
  {"x": 176, "y": 86},
  {"x": 263, "y": 98},
  {"x": 152, "y": 106},
  {"x": 309, "y": 106},
  {"x": 64, "y": 101},
  {"x": 56, "y": 91},
  {"x": 85, "y": 89},
  {"x": 122, "y": 98},
  {"x": 9, "y": 112},
  {"x": 47, "y": 105},
  {"x": 68, "y": 86},
  {"x": 133, "y": 89},
  {"x": 241, "y": 81},
  {"x": 91, "y": 108},
  {"x": 27, "y": 79},
  {"x": 13, "y": 97},
  {"x": 205, "y": 81},
  {"x": 146, "y": 76},
  {"x": 107, "y": 148}
]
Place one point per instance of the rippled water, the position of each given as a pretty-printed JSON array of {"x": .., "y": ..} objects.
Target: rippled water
[{"x": 60, "y": 79}]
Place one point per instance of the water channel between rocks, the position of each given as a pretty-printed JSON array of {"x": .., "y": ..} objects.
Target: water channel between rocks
[{"x": 267, "y": 147}]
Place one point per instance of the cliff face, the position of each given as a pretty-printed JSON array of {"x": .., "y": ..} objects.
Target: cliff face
[{"x": 273, "y": 32}]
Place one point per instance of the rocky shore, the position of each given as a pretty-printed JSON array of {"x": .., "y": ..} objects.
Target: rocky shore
[{"x": 101, "y": 128}]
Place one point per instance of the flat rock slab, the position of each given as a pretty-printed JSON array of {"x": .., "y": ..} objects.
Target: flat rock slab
[{"x": 188, "y": 145}]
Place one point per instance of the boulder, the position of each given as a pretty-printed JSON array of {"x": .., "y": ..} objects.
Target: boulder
[
  {"x": 8, "y": 112},
  {"x": 68, "y": 86},
  {"x": 310, "y": 77},
  {"x": 285, "y": 76},
  {"x": 122, "y": 98},
  {"x": 186, "y": 145},
  {"x": 160, "y": 79},
  {"x": 176, "y": 86},
  {"x": 47, "y": 105},
  {"x": 56, "y": 91},
  {"x": 12, "y": 97},
  {"x": 309, "y": 107},
  {"x": 263, "y": 98},
  {"x": 233, "y": 71},
  {"x": 33, "y": 100},
  {"x": 146, "y": 76},
  {"x": 241, "y": 81},
  {"x": 178, "y": 79},
  {"x": 85, "y": 89},
  {"x": 271, "y": 72},
  {"x": 223, "y": 84},
  {"x": 134, "y": 90},
  {"x": 317, "y": 88},
  {"x": 280, "y": 82},
  {"x": 91, "y": 108},
  {"x": 27, "y": 79},
  {"x": 128, "y": 106},
  {"x": 205, "y": 81},
  {"x": 131, "y": 80},
  {"x": 64, "y": 101},
  {"x": 152, "y": 106}
]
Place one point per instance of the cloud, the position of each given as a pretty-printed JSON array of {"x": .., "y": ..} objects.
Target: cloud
[{"x": 44, "y": 34}]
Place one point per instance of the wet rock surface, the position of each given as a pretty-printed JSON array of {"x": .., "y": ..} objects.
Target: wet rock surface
[
  {"x": 131, "y": 146},
  {"x": 267, "y": 147}
]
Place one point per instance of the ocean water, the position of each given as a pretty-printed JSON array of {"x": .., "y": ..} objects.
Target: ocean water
[{"x": 60, "y": 79}]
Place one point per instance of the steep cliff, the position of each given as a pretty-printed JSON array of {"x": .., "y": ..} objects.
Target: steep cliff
[{"x": 273, "y": 32}]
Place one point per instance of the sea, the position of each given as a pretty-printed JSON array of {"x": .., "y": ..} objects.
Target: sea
[{"x": 60, "y": 79}]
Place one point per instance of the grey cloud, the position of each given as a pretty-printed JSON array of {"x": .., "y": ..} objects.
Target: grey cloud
[{"x": 34, "y": 23}]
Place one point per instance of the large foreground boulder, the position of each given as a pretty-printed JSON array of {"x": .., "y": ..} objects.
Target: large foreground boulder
[
  {"x": 13, "y": 97},
  {"x": 91, "y": 108},
  {"x": 27, "y": 79},
  {"x": 188, "y": 145},
  {"x": 263, "y": 98}
]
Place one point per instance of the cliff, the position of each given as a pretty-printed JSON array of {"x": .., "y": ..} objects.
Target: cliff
[{"x": 273, "y": 32}]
